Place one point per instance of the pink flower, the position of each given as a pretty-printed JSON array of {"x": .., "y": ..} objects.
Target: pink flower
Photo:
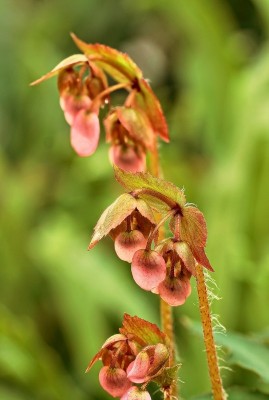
[
  {"x": 85, "y": 133},
  {"x": 148, "y": 269},
  {"x": 127, "y": 157},
  {"x": 148, "y": 363},
  {"x": 174, "y": 290},
  {"x": 180, "y": 262},
  {"x": 127, "y": 243},
  {"x": 71, "y": 105},
  {"x": 114, "y": 381}
]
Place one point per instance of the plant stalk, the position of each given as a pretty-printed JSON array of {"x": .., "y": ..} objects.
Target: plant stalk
[
  {"x": 212, "y": 359},
  {"x": 167, "y": 324}
]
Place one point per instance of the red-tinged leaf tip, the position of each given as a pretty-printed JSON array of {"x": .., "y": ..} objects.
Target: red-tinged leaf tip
[
  {"x": 94, "y": 359},
  {"x": 117, "y": 64},
  {"x": 201, "y": 258},
  {"x": 147, "y": 101},
  {"x": 147, "y": 332},
  {"x": 68, "y": 62},
  {"x": 85, "y": 133}
]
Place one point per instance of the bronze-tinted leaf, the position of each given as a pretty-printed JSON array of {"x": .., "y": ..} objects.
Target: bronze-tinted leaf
[
  {"x": 185, "y": 254},
  {"x": 113, "y": 216},
  {"x": 193, "y": 231},
  {"x": 146, "y": 331},
  {"x": 137, "y": 124},
  {"x": 68, "y": 62},
  {"x": 117, "y": 64},
  {"x": 145, "y": 210},
  {"x": 148, "y": 102},
  {"x": 201, "y": 258},
  {"x": 193, "y": 227}
]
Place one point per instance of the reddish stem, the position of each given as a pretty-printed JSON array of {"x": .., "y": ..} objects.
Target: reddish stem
[{"x": 212, "y": 359}]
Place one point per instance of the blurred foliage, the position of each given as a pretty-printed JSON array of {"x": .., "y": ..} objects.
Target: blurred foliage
[{"x": 208, "y": 62}]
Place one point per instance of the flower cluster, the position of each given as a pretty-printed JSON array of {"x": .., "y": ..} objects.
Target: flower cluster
[
  {"x": 140, "y": 352},
  {"x": 164, "y": 268},
  {"x": 131, "y": 128},
  {"x": 131, "y": 359}
]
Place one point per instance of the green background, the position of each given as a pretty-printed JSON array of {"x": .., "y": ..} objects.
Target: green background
[{"x": 208, "y": 62}]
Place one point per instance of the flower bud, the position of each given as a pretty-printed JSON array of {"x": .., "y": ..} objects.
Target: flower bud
[
  {"x": 137, "y": 371},
  {"x": 114, "y": 381},
  {"x": 148, "y": 363},
  {"x": 85, "y": 133},
  {"x": 135, "y": 393},
  {"x": 71, "y": 105},
  {"x": 148, "y": 269},
  {"x": 127, "y": 158},
  {"x": 174, "y": 291},
  {"x": 127, "y": 243}
]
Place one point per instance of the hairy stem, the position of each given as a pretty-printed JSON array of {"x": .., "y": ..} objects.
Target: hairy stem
[{"x": 212, "y": 359}]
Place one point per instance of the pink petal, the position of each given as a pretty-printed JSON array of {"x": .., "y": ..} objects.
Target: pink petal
[
  {"x": 127, "y": 243},
  {"x": 85, "y": 133},
  {"x": 127, "y": 158},
  {"x": 148, "y": 269},
  {"x": 138, "y": 369},
  {"x": 174, "y": 291},
  {"x": 114, "y": 381},
  {"x": 71, "y": 105}
]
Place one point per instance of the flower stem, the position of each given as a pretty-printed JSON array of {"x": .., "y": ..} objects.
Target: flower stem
[
  {"x": 107, "y": 91},
  {"x": 212, "y": 359},
  {"x": 167, "y": 324}
]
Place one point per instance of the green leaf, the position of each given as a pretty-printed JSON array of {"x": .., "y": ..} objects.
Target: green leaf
[
  {"x": 141, "y": 180},
  {"x": 244, "y": 351},
  {"x": 68, "y": 62},
  {"x": 236, "y": 394},
  {"x": 146, "y": 331},
  {"x": 148, "y": 102},
  {"x": 168, "y": 376},
  {"x": 113, "y": 216},
  {"x": 117, "y": 64}
]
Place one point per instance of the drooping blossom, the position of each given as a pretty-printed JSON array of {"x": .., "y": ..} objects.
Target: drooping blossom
[
  {"x": 138, "y": 355},
  {"x": 114, "y": 381},
  {"x": 130, "y": 134},
  {"x": 148, "y": 268},
  {"x": 85, "y": 131},
  {"x": 128, "y": 221},
  {"x": 180, "y": 266}
]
